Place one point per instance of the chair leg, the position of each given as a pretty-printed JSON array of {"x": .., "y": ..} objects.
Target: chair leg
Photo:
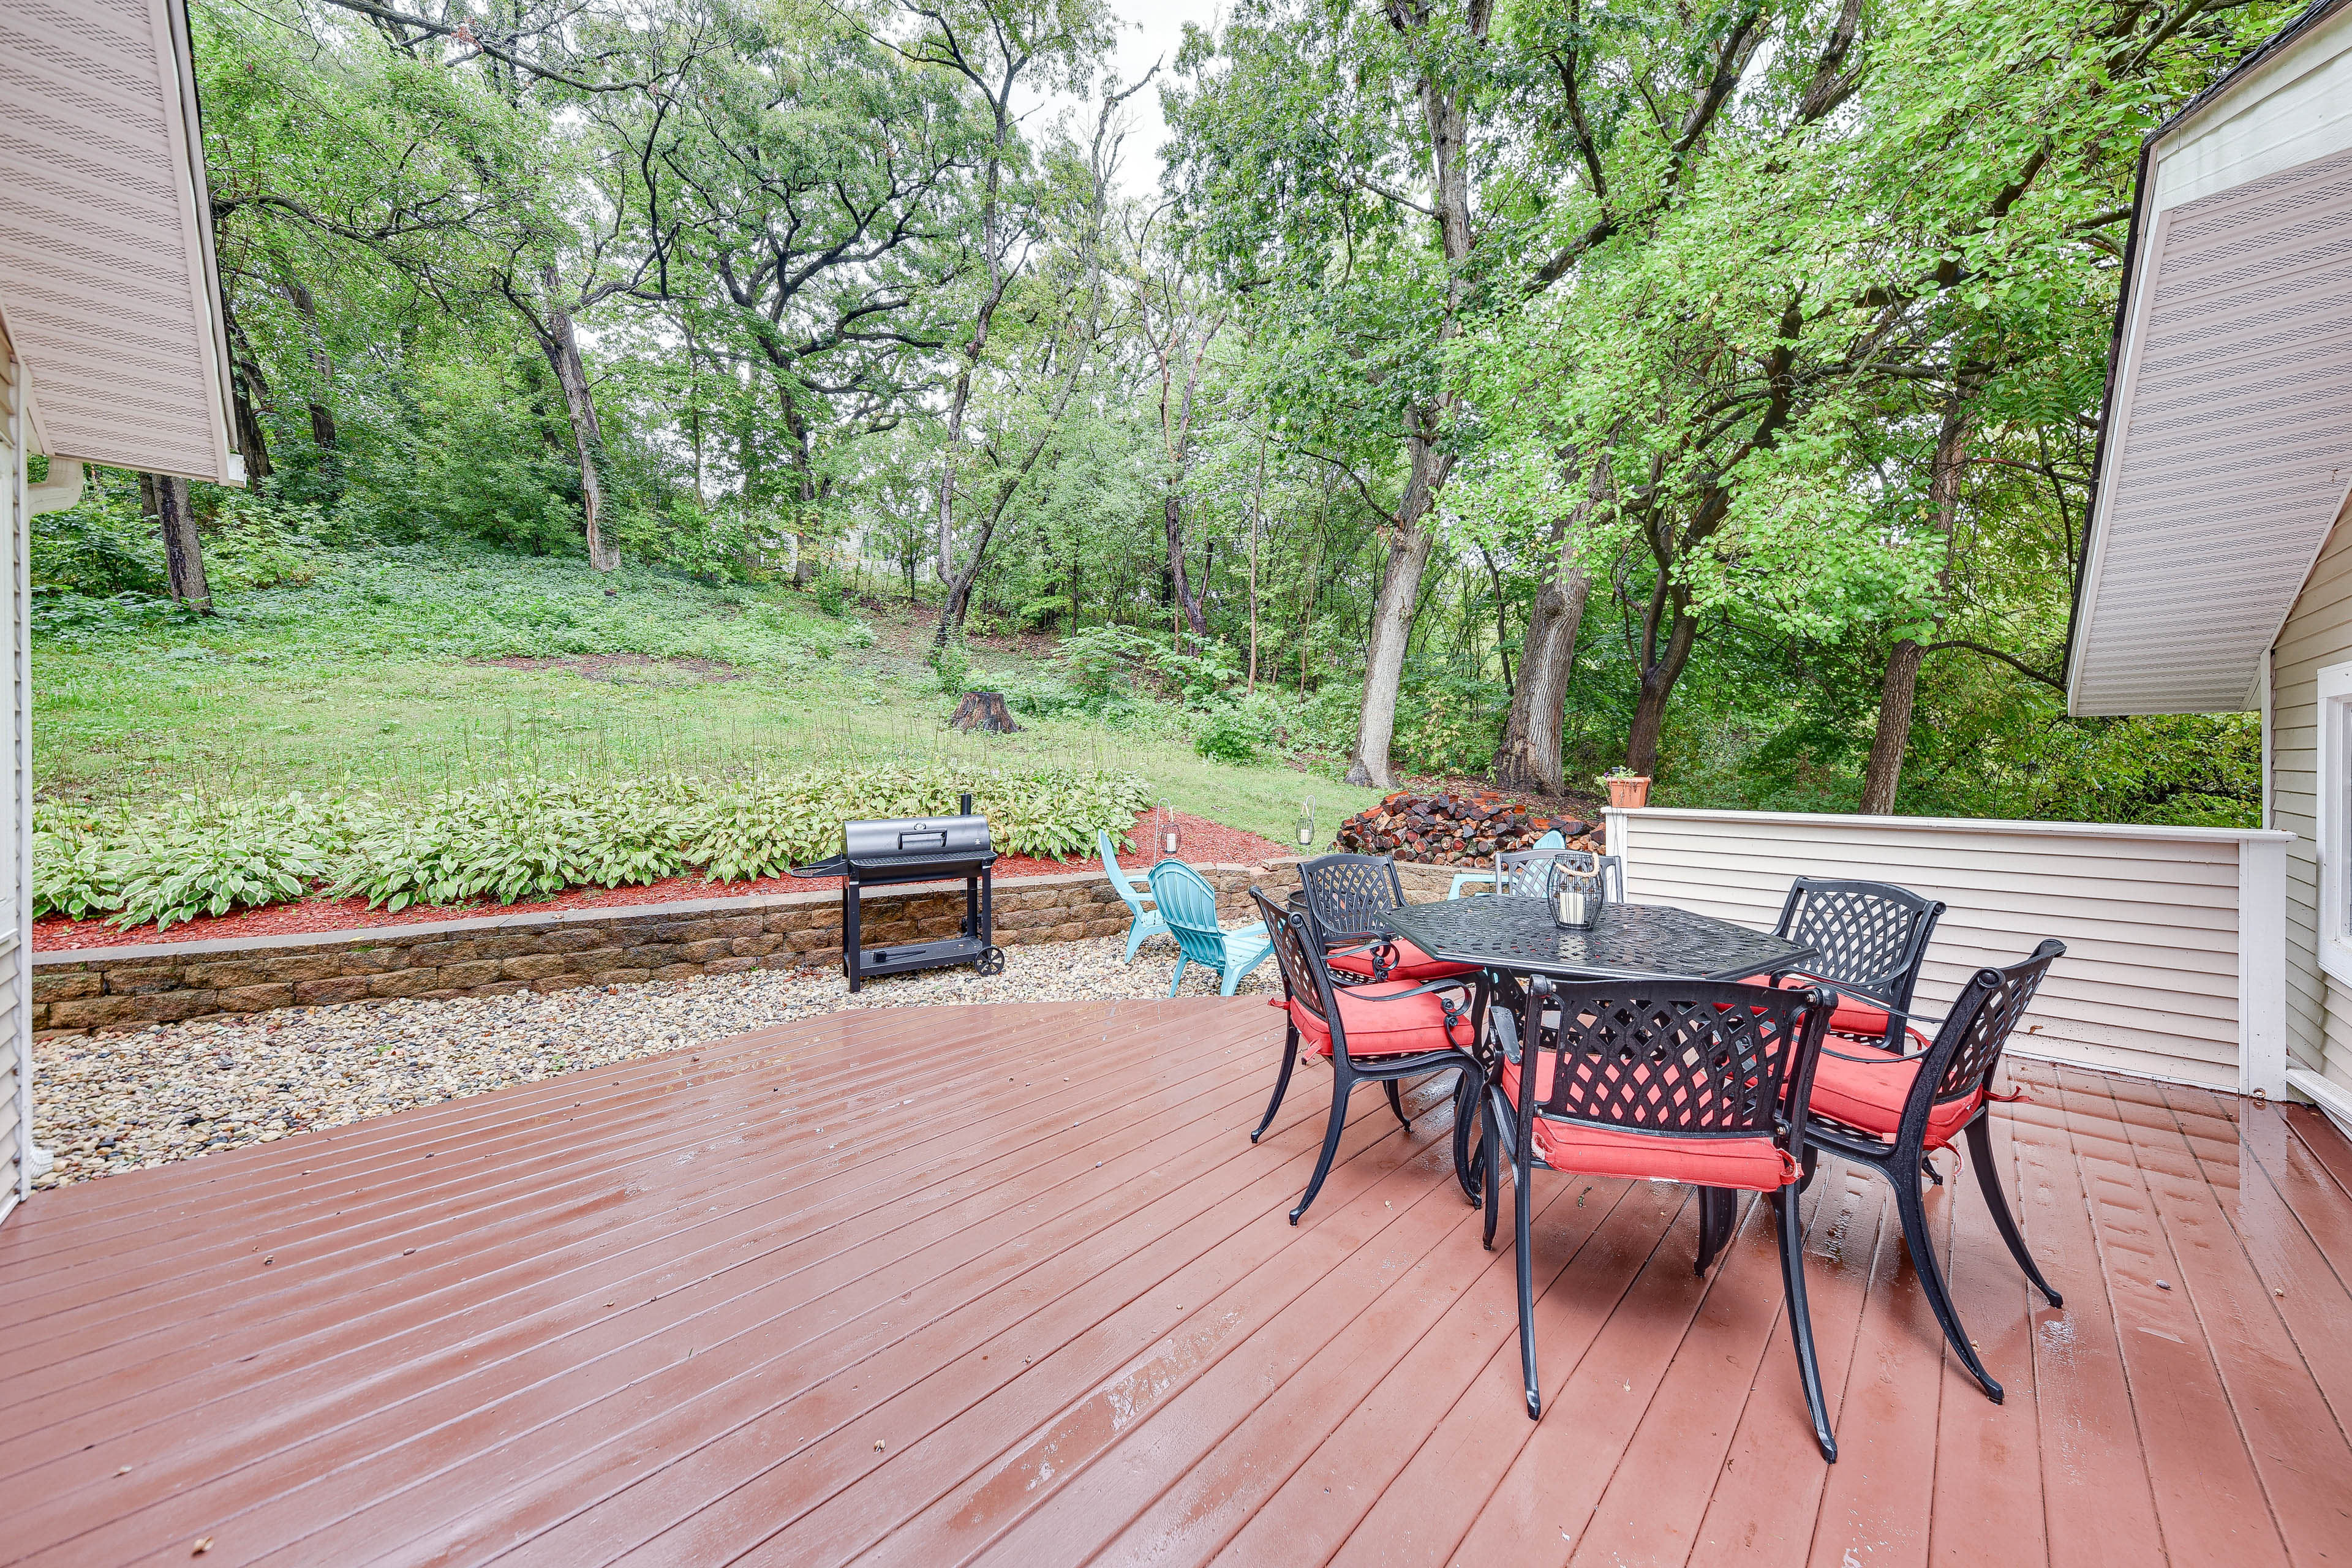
[
  {"x": 1135, "y": 935},
  {"x": 1996, "y": 1200},
  {"x": 1181, "y": 961},
  {"x": 1466, "y": 1089},
  {"x": 1281, "y": 1080},
  {"x": 1490, "y": 1173},
  {"x": 1914, "y": 1210},
  {"x": 1800, "y": 1317},
  {"x": 1718, "y": 1212},
  {"x": 1520, "y": 1218},
  {"x": 1396, "y": 1103},
  {"x": 1342, "y": 1081}
]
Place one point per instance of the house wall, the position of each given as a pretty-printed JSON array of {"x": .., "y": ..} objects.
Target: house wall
[
  {"x": 2318, "y": 633},
  {"x": 15, "y": 898},
  {"x": 2172, "y": 963}
]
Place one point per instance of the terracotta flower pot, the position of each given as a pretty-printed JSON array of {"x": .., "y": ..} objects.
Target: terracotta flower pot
[{"x": 1629, "y": 792}]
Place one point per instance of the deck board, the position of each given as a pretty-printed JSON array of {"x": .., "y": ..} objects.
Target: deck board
[{"x": 1010, "y": 1285}]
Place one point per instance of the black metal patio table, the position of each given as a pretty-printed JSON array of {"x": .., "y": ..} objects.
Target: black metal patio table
[
  {"x": 1513, "y": 936},
  {"x": 1510, "y": 937}
]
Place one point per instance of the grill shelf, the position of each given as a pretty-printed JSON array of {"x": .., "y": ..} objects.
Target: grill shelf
[{"x": 915, "y": 849}]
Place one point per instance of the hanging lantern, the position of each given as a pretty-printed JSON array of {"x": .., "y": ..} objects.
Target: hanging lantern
[
  {"x": 1307, "y": 824},
  {"x": 1169, "y": 841}
]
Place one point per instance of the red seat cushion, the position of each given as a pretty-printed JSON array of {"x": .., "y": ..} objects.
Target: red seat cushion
[
  {"x": 1380, "y": 1021},
  {"x": 1852, "y": 1017},
  {"x": 1750, "y": 1164},
  {"x": 1869, "y": 1097},
  {"x": 1412, "y": 963}
]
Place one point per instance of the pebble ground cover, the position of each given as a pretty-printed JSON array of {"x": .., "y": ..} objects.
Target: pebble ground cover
[{"x": 106, "y": 1103}]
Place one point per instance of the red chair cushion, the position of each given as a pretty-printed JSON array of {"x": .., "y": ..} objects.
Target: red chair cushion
[
  {"x": 1852, "y": 1017},
  {"x": 1379, "y": 1022},
  {"x": 1749, "y": 1164},
  {"x": 1869, "y": 1097},
  {"x": 1412, "y": 963}
]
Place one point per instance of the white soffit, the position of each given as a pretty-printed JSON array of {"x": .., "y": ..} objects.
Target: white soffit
[
  {"x": 107, "y": 279},
  {"x": 2227, "y": 434}
]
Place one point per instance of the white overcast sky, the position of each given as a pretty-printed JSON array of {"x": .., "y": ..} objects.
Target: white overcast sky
[{"x": 1148, "y": 30}]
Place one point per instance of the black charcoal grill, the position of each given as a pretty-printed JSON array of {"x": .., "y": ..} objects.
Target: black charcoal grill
[{"x": 915, "y": 849}]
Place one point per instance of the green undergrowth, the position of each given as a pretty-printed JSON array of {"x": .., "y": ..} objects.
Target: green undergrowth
[{"x": 530, "y": 837}]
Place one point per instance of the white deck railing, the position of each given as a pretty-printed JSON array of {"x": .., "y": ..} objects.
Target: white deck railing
[{"x": 2175, "y": 937}]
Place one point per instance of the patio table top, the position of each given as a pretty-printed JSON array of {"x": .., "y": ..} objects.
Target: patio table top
[{"x": 1518, "y": 935}]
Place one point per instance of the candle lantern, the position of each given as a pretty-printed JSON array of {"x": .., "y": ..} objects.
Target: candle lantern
[
  {"x": 1578, "y": 892},
  {"x": 1169, "y": 841},
  {"x": 1307, "y": 824}
]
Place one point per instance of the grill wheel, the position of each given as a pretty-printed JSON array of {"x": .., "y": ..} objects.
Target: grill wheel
[{"x": 989, "y": 962}]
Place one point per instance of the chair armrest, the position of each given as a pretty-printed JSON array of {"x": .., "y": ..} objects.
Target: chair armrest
[{"x": 1466, "y": 879}]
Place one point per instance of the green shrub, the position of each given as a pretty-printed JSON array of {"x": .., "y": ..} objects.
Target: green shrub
[
  {"x": 951, "y": 662},
  {"x": 1236, "y": 733},
  {"x": 528, "y": 838}
]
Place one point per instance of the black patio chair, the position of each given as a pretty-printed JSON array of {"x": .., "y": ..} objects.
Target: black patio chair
[
  {"x": 1662, "y": 1079},
  {"x": 1889, "y": 1112},
  {"x": 1350, "y": 895},
  {"x": 1380, "y": 1032},
  {"x": 1872, "y": 938}
]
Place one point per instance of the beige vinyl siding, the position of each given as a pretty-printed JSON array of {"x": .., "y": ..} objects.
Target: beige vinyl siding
[
  {"x": 2149, "y": 916},
  {"x": 13, "y": 1135},
  {"x": 2318, "y": 633}
]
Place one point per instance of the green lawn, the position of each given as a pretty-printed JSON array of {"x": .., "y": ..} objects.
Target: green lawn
[{"x": 402, "y": 671}]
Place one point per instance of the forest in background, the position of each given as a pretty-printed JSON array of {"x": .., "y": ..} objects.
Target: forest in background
[{"x": 1509, "y": 390}]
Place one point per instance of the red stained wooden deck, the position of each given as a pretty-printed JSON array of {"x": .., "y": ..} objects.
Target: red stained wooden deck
[{"x": 1010, "y": 1284}]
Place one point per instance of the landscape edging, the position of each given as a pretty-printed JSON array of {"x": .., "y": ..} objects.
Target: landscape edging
[{"x": 78, "y": 990}]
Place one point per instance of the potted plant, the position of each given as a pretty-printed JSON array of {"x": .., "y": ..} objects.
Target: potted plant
[{"x": 1626, "y": 789}]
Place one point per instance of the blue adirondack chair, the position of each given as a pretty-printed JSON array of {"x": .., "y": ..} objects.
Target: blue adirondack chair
[
  {"x": 1147, "y": 923},
  {"x": 1189, "y": 905},
  {"x": 1552, "y": 840}
]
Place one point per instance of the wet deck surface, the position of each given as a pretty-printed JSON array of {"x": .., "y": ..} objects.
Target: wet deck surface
[{"x": 1022, "y": 1291}]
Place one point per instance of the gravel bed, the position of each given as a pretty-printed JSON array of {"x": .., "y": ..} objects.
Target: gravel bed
[{"x": 179, "y": 1092}]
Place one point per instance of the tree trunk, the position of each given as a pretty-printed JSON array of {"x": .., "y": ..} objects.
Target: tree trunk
[
  {"x": 322, "y": 369},
  {"x": 1447, "y": 116},
  {"x": 1898, "y": 694},
  {"x": 562, "y": 346},
  {"x": 985, "y": 711},
  {"x": 1392, "y": 616},
  {"x": 164, "y": 498},
  {"x": 1529, "y": 758},
  {"x": 1658, "y": 685},
  {"x": 1172, "y": 515},
  {"x": 248, "y": 392}
]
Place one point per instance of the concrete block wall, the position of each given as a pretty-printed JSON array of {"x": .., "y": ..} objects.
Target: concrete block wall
[{"x": 131, "y": 987}]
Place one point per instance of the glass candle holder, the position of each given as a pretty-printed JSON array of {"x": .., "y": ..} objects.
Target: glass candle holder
[
  {"x": 1170, "y": 840},
  {"x": 1307, "y": 825},
  {"x": 1577, "y": 895}
]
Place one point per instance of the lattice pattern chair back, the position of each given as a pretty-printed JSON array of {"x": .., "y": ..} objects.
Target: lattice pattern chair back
[
  {"x": 1298, "y": 954},
  {"x": 1189, "y": 905},
  {"x": 1871, "y": 935},
  {"x": 1527, "y": 873},
  {"x": 1696, "y": 1058},
  {"x": 1349, "y": 894},
  {"x": 1977, "y": 1027}
]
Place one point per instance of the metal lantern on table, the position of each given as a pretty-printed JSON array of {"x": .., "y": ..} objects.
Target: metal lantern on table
[{"x": 1578, "y": 892}]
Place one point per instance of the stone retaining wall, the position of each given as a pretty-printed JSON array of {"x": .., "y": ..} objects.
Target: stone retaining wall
[{"x": 130, "y": 987}]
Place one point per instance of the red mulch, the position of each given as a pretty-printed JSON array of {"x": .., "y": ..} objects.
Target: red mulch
[{"x": 1204, "y": 843}]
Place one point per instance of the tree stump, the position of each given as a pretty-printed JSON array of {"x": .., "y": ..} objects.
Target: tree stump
[{"x": 985, "y": 710}]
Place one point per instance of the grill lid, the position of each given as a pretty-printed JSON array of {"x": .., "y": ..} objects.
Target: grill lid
[{"x": 910, "y": 840}]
